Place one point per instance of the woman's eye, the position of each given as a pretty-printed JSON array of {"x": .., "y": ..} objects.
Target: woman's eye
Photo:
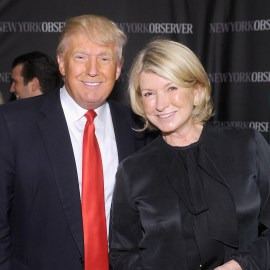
[
  {"x": 147, "y": 94},
  {"x": 172, "y": 88}
]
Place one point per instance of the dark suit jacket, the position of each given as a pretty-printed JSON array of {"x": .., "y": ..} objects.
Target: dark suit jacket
[
  {"x": 146, "y": 210},
  {"x": 40, "y": 208}
]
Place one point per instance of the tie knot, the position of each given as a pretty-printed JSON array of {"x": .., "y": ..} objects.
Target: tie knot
[{"x": 90, "y": 115}]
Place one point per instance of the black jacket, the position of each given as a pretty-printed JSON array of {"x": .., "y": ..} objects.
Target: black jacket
[
  {"x": 146, "y": 214},
  {"x": 40, "y": 207}
]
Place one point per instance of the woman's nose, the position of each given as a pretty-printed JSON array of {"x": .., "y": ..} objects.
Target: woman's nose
[{"x": 161, "y": 102}]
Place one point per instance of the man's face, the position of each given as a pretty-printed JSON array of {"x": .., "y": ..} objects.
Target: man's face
[
  {"x": 90, "y": 71},
  {"x": 18, "y": 88}
]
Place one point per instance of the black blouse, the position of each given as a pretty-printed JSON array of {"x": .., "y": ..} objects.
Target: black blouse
[
  {"x": 196, "y": 203},
  {"x": 193, "y": 207}
]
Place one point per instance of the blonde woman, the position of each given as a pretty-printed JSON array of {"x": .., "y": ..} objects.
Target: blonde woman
[{"x": 198, "y": 197}]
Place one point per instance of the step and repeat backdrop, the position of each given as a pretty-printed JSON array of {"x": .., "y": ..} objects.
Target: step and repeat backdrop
[{"x": 231, "y": 37}]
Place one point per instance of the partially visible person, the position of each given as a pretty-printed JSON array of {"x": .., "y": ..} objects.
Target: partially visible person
[
  {"x": 198, "y": 197},
  {"x": 42, "y": 168},
  {"x": 34, "y": 74},
  {"x": 1, "y": 98}
]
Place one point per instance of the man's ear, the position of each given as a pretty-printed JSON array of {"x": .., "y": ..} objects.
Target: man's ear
[
  {"x": 34, "y": 85},
  {"x": 61, "y": 63},
  {"x": 118, "y": 71}
]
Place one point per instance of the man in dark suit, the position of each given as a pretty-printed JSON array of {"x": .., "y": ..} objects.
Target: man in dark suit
[{"x": 41, "y": 225}]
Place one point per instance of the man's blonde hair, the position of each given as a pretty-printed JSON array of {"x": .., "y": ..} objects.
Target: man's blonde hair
[{"x": 99, "y": 30}]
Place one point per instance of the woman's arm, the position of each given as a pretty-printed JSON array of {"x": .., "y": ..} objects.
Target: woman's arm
[
  {"x": 257, "y": 255},
  {"x": 125, "y": 227}
]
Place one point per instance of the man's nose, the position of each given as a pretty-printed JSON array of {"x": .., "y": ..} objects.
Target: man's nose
[
  {"x": 12, "y": 88},
  {"x": 92, "y": 67}
]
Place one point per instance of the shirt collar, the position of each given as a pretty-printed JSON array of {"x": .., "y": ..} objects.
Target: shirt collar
[{"x": 74, "y": 112}]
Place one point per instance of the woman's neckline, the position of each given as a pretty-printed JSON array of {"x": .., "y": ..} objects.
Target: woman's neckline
[{"x": 191, "y": 145}]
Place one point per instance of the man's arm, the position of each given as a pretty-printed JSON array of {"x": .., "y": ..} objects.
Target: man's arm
[{"x": 7, "y": 176}]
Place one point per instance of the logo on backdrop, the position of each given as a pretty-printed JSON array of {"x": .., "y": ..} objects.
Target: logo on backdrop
[
  {"x": 240, "y": 26},
  {"x": 31, "y": 27},
  {"x": 156, "y": 28},
  {"x": 240, "y": 77},
  {"x": 140, "y": 28},
  {"x": 260, "y": 126},
  {"x": 5, "y": 77}
]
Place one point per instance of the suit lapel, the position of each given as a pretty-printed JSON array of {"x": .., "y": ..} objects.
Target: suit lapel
[
  {"x": 58, "y": 144},
  {"x": 123, "y": 131}
]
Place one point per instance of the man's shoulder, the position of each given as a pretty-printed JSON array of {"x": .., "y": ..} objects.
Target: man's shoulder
[
  {"x": 119, "y": 107},
  {"x": 21, "y": 105},
  {"x": 124, "y": 112},
  {"x": 27, "y": 106}
]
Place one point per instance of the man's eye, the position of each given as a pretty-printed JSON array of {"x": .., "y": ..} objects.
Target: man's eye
[
  {"x": 80, "y": 57},
  {"x": 104, "y": 58}
]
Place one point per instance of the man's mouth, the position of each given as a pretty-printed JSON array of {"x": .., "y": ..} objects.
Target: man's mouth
[{"x": 92, "y": 84}]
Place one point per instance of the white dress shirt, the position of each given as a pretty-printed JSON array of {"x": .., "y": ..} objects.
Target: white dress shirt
[{"x": 76, "y": 120}]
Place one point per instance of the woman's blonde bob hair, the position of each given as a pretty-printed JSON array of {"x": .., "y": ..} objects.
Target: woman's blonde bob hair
[
  {"x": 177, "y": 63},
  {"x": 98, "y": 29}
]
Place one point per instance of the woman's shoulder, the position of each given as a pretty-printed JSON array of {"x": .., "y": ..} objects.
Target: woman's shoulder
[
  {"x": 228, "y": 130},
  {"x": 226, "y": 135}
]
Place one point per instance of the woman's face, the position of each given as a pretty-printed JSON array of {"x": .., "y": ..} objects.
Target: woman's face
[{"x": 167, "y": 105}]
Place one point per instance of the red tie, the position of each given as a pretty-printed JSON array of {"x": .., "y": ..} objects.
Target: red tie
[{"x": 93, "y": 209}]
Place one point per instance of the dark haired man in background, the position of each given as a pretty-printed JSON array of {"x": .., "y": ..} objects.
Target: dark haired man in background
[{"x": 33, "y": 74}]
